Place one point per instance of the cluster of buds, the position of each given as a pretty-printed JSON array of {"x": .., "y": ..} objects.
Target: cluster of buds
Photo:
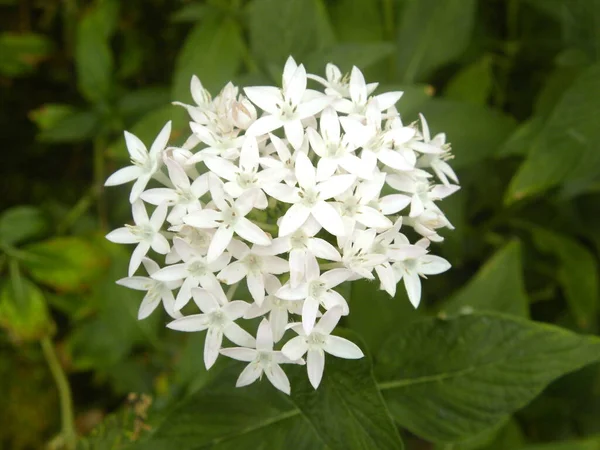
[{"x": 296, "y": 191}]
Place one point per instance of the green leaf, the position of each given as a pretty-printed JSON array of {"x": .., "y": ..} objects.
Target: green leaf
[
  {"x": 232, "y": 420},
  {"x": 582, "y": 444},
  {"x": 497, "y": 286},
  {"x": 431, "y": 34},
  {"x": 93, "y": 56},
  {"x": 473, "y": 84},
  {"x": 60, "y": 123},
  {"x": 23, "y": 311},
  {"x": 21, "y": 53},
  {"x": 577, "y": 274},
  {"x": 567, "y": 146},
  {"x": 142, "y": 101},
  {"x": 191, "y": 12},
  {"x": 213, "y": 52},
  {"x": 375, "y": 314},
  {"x": 475, "y": 132},
  {"x": 357, "y": 20},
  {"x": 347, "y": 409},
  {"x": 22, "y": 223},
  {"x": 67, "y": 264},
  {"x": 447, "y": 380},
  {"x": 519, "y": 142},
  {"x": 293, "y": 27},
  {"x": 347, "y": 55}
]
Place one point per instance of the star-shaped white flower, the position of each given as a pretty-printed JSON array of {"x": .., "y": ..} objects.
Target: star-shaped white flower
[
  {"x": 261, "y": 360},
  {"x": 145, "y": 233},
  {"x": 286, "y": 107},
  {"x": 318, "y": 342},
  {"x": 413, "y": 266},
  {"x": 253, "y": 266},
  {"x": 317, "y": 291},
  {"x": 310, "y": 198},
  {"x": 145, "y": 163},
  {"x": 194, "y": 271},
  {"x": 157, "y": 292},
  {"x": 219, "y": 320},
  {"x": 230, "y": 218}
]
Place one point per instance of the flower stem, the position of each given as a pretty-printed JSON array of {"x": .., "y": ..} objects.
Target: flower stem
[
  {"x": 64, "y": 393},
  {"x": 333, "y": 265}
]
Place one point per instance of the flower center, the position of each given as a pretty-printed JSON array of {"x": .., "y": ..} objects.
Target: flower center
[
  {"x": 316, "y": 289},
  {"x": 309, "y": 197},
  {"x": 299, "y": 240},
  {"x": 253, "y": 263},
  {"x": 218, "y": 319},
  {"x": 315, "y": 339},
  {"x": 142, "y": 232},
  {"x": 246, "y": 180},
  {"x": 197, "y": 268}
]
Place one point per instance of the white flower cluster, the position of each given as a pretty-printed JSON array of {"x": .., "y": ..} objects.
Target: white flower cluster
[{"x": 309, "y": 195}]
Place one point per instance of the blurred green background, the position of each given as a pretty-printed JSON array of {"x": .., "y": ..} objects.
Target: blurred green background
[{"x": 515, "y": 85}]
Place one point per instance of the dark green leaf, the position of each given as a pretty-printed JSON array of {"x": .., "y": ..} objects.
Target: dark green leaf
[
  {"x": 498, "y": 286},
  {"x": 213, "y": 52},
  {"x": 567, "y": 146},
  {"x": 67, "y": 264},
  {"x": 22, "y": 223},
  {"x": 357, "y": 20},
  {"x": 519, "y": 142},
  {"x": 375, "y": 314},
  {"x": 578, "y": 273},
  {"x": 347, "y": 409},
  {"x": 582, "y": 444},
  {"x": 447, "y": 380},
  {"x": 61, "y": 123},
  {"x": 347, "y": 55},
  {"x": 143, "y": 101},
  {"x": 191, "y": 12},
  {"x": 93, "y": 55},
  {"x": 431, "y": 34},
  {"x": 280, "y": 29},
  {"x": 473, "y": 84}
]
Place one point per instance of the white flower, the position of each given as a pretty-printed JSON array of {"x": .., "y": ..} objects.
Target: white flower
[
  {"x": 219, "y": 320},
  {"x": 184, "y": 197},
  {"x": 310, "y": 198},
  {"x": 195, "y": 270},
  {"x": 286, "y": 107},
  {"x": 247, "y": 176},
  {"x": 253, "y": 266},
  {"x": 156, "y": 291},
  {"x": 411, "y": 267},
  {"x": 317, "y": 291},
  {"x": 437, "y": 161},
  {"x": 277, "y": 308},
  {"x": 319, "y": 341},
  {"x": 145, "y": 233},
  {"x": 359, "y": 255},
  {"x": 261, "y": 360},
  {"x": 230, "y": 218},
  {"x": 336, "y": 84},
  {"x": 145, "y": 163}
]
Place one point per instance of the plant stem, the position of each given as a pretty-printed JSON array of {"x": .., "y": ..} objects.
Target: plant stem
[
  {"x": 333, "y": 265},
  {"x": 82, "y": 205},
  {"x": 64, "y": 393}
]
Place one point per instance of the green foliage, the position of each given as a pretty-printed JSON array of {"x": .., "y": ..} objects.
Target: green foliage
[
  {"x": 513, "y": 85},
  {"x": 448, "y": 380},
  {"x": 21, "y": 53}
]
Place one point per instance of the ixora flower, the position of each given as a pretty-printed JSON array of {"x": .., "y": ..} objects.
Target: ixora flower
[{"x": 292, "y": 191}]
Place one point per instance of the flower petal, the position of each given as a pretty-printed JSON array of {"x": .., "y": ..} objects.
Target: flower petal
[
  {"x": 342, "y": 348},
  {"x": 315, "y": 365}
]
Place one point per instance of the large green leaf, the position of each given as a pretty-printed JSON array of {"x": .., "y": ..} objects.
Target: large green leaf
[
  {"x": 447, "y": 380},
  {"x": 475, "y": 132},
  {"x": 582, "y": 444},
  {"x": 59, "y": 123},
  {"x": 375, "y": 314},
  {"x": 567, "y": 146},
  {"x": 213, "y": 52},
  {"x": 497, "y": 286},
  {"x": 473, "y": 84},
  {"x": 293, "y": 27},
  {"x": 22, "y": 223},
  {"x": 431, "y": 34},
  {"x": 93, "y": 56},
  {"x": 67, "y": 264},
  {"x": 347, "y": 55},
  {"x": 577, "y": 273},
  {"x": 357, "y": 20},
  {"x": 347, "y": 409}
]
